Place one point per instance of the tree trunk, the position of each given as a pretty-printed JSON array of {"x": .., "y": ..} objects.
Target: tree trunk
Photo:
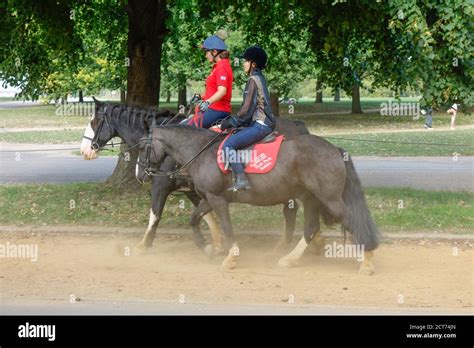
[
  {"x": 337, "y": 95},
  {"x": 123, "y": 95},
  {"x": 319, "y": 91},
  {"x": 146, "y": 31},
  {"x": 182, "y": 97},
  {"x": 168, "y": 96},
  {"x": 81, "y": 96},
  {"x": 356, "y": 108},
  {"x": 275, "y": 105}
]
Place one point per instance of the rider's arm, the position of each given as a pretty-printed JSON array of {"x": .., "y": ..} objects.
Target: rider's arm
[
  {"x": 221, "y": 91},
  {"x": 249, "y": 104}
]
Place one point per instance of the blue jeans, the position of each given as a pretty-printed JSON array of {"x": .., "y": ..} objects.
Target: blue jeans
[
  {"x": 242, "y": 139},
  {"x": 211, "y": 116}
]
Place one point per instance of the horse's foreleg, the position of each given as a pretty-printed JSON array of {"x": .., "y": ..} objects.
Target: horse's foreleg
[
  {"x": 221, "y": 208},
  {"x": 290, "y": 211},
  {"x": 159, "y": 194},
  {"x": 216, "y": 232},
  {"x": 201, "y": 210},
  {"x": 311, "y": 226}
]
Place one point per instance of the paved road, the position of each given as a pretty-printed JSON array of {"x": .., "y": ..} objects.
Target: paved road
[
  {"x": 59, "y": 166},
  {"x": 18, "y": 104},
  {"x": 144, "y": 307}
]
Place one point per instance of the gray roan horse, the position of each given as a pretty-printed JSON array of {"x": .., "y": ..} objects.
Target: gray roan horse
[
  {"x": 308, "y": 168},
  {"x": 116, "y": 120}
]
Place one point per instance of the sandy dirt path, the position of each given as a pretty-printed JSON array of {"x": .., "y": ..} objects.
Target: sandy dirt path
[{"x": 424, "y": 276}]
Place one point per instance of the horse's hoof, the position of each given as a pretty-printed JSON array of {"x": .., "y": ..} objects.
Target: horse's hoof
[
  {"x": 219, "y": 250},
  {"x": 286, "y": 262},
  {"x": 141, "y": 248},
  {"x": 367, "y": 269},
  {"x": 317, "y": 245},
  {"x": 209, "y": 250},
  {"x": 228, "y": 263}
]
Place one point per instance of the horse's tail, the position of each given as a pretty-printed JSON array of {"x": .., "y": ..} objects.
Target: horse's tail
[{"x": 363, "y": 228}]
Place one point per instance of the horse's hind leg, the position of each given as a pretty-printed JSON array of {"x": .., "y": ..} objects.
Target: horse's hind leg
[
  {"x": 311, "y": 226},
  {"x": 338, "y": 210},
  {"x": 317, "y": 243},
  {"x": 290, "y": 211}
]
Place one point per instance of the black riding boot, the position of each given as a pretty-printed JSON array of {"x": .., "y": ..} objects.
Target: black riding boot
[{"x": 240, "y": 182}]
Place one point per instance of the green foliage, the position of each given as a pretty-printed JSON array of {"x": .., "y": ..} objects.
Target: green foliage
[
  {"x": 440, "y": 34},
  {"x": 58, "y": 47}
]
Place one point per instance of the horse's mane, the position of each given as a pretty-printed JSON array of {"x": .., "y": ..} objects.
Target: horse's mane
[{"x": 133, "y": 112}]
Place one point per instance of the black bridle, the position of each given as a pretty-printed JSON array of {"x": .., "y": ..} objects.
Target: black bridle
[{"x": 103, "y": 120}]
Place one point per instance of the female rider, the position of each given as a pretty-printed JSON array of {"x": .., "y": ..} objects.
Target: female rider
[
  {"x": 255, "y": 114},
  {"x": 215, "y": 104}
]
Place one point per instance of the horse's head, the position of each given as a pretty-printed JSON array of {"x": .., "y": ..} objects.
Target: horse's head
[
  {"x": 98, "y": 131},
  {"x": 150, "y": 154}
]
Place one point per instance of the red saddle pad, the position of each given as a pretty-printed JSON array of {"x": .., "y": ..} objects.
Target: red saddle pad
[{"x": 262, "y": 157}]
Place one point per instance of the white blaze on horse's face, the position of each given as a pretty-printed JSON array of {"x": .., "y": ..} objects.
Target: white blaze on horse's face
[{"x": 86, "y": 150}]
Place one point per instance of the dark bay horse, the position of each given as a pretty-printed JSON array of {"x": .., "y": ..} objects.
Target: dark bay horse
[
  {"x": 308, "y": 168},
  {"x": 116, "y": 120}
]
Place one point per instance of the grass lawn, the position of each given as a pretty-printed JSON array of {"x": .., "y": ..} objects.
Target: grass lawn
[
  {"x": 372, "y": 122},
  {"x": 98, "y": 204},
  {"x": 40, "y": 137},
  {"x": 358, "y": 144},
  {"x": 38, "y": 116},
  {"x": 366, "y": 145},
  {"x": 44, "y": 116},
  {"x": 6, "y": 99}
]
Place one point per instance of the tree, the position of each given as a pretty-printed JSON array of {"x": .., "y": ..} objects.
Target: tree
[
  {"x": 45, "y": 42},
  {"x": 146, "y": 32}
]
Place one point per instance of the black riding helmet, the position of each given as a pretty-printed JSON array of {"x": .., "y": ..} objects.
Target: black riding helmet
[{"x": 256, "y": 54}]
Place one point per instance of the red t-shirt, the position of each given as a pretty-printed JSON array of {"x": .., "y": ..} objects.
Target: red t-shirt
[{"x": 221, "y": 75}]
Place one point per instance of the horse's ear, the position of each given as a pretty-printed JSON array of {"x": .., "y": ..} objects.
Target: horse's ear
[{"x": 96, "y": 101}]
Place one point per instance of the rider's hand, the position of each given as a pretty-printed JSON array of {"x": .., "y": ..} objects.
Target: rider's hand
[
  {"x": 196, "y": 97},
  {"x": 204, "y": 105}
]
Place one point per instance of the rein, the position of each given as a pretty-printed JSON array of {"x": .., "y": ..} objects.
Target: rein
[{"x": 171, "y": 174}]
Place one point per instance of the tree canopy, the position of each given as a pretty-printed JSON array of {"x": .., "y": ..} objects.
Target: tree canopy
[{"x": 55, "y": 47}]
